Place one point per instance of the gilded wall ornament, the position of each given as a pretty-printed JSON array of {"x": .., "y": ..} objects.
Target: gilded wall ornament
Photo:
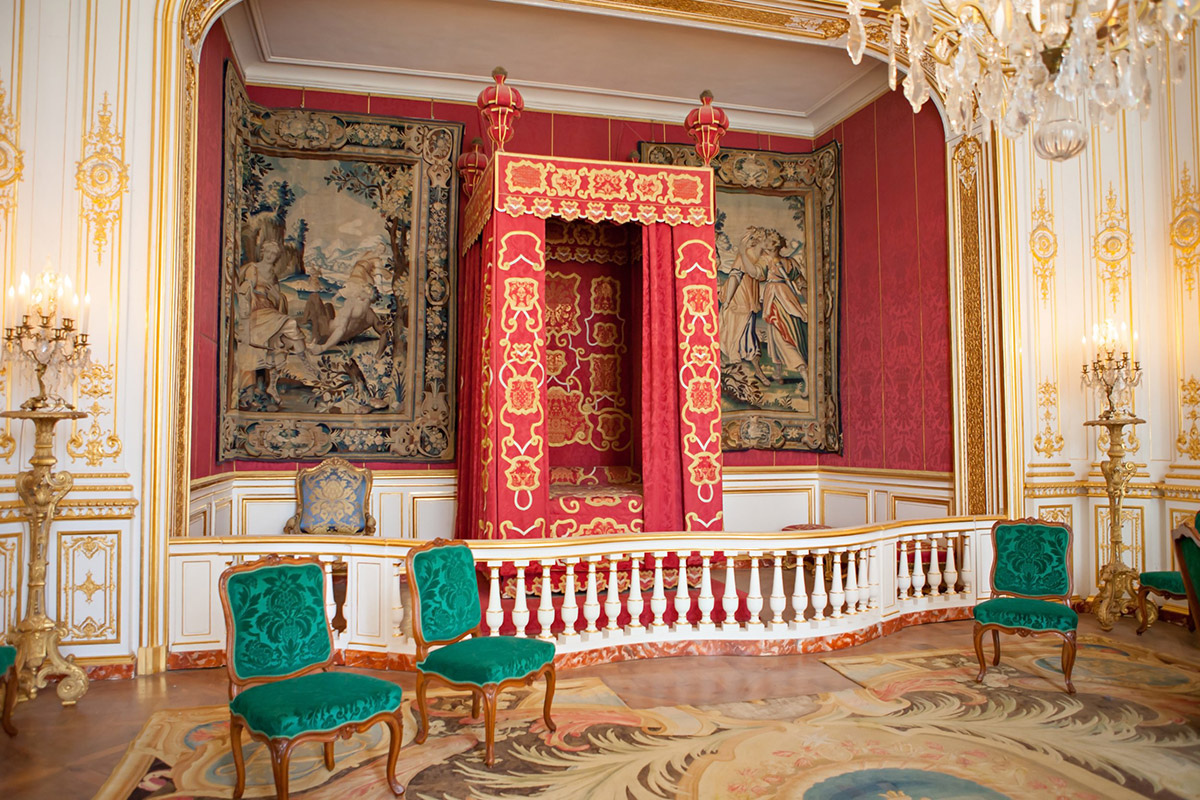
[
  {"x": 1188, "y": 441},
  {"x": 12, "y": 160},
  {"x": 1056, "y": 514},
  {"x": 1048, "y": 441},
  {"x": 1185, "y": 230},
  {"x": 967, "y": 161},
  {"x": 102, "y": 177},
  {"x": 1113, "y": 246},
  {"x": 1043, "y": 244},
  {"x": 95, "y": 444},
  {"x": 90, "y": 619}
]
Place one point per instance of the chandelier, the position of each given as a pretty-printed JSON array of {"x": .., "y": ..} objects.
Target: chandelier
[{"x": 1023, "y": 63}]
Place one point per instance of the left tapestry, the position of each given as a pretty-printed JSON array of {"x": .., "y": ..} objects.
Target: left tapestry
[{"x": 337, "y": 285}]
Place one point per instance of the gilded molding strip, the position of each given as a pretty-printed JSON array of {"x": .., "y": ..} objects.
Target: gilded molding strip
[
  {"x": 1188, "y": 442},
  {"x": 91, "y": 553},
  {"x": 1185, "y": 231},
  {"x": 1113, "y": 246},
  {"x": 968, "y": 155},
  {"x": 12, "y": 165},
  {"x": 749, "y": 15}
]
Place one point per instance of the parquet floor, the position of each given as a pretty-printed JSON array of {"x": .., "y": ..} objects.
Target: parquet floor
[{"x": 69, "y": 752}]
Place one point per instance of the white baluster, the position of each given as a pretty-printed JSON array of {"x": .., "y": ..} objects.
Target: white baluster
[
  {"x": 799, "y": 593},
  {"x": 873, "y": 555},
  {"x": 398, "y": 605},
  {"x": 612, "y": 602},
  {"x": 591, "y": 601},
  {"x": 495, "y": 611},
  {"x": 903, "y": 579},
  {"x": 570, "y": 607},
  {"x": 754, "y": 598},
  {"x": 935, "y": 571},
  {"x": 521, "y": 603},
  {"x": 968, "y": 568},
  {"x": 729, "y": 600},
  {"x": 837, "y": 595},
  {"x": 546, "y": 606},
  {"x": 683, "y": 600},
  {"x": 706, "y": 602},
  {"x": 778, "y": 599},
  {"x": 852, "y": 582},
  {"x": 918, "y": 575},
  {"x": 951, "y": 574},
  {"x": 635, "y": 602},
  {"x": 819, "y": 596},
  {"x": 658, "y": 600}
]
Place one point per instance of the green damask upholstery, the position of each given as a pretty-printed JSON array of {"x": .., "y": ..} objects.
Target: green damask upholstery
[
  {"x": 333, "y": 500},
  {"x": 1031, "y": 560},
  {"x": 1021, "y": 612},
  {"x": 1191, "y": 560},
  {"x": 488, "y": 660},
  {"x": 445, "y": 578},
  {"x": 322, "y": 701},
  {"x": 1170, "y": 582},
  {"x": 279, "y": 623},
  {"x": 8, "y": 656}
]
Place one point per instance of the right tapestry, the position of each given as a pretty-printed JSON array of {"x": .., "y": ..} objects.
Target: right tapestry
[{"x": 778, "y": 236}]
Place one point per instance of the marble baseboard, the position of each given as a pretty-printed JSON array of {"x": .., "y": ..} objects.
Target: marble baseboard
[
  {"x": 196, "y": 659},
  {"x": 110, "y": 672}
]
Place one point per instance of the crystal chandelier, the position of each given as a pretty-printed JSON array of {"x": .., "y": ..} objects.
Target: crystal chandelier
[{"x": 1019, "y": 63}]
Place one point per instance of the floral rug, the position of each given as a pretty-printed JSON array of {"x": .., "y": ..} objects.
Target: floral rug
[{"x": 922, "y": 728}]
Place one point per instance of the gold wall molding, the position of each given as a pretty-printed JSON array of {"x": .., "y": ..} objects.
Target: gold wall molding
[
  {"x": 1063, "y": 514},
  {"x": 1048, "y": 441},
  {"x": 102, "y": 177},
  {"x": 1187, "y": 444},
  {"x": 12, "y": 159},
  {"x": 82, "y": 557},
  {"x": 1133, "y": 522},
  {"x": 1185, "y": 231},
  {"x": 1043, "y": 244},
  {"x": 11, "y": 564},
  {"x": 94, "y": 445},
  {"x": 75, "y": 508},
  {"x": 1113, "y": 247},
  {"x": 758, "y": 16}
]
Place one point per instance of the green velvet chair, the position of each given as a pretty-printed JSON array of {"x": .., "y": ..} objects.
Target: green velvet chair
[
  {"x": 278, "y": 650},
  {"x": 446, "y": 615},
  {"x": 8, "y": 674},
  {"x": 1031, "y": 589},
  {"x": 1167, "y": 584},
  {"x": 1186, "y": 541}
]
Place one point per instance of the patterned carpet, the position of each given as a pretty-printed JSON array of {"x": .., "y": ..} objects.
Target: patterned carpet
[{"x": 921, "y": 728}]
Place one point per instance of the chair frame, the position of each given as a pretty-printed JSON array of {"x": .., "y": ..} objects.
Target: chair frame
[
  {"x": 292, "y": 527},
  {"x": 488, "y": 692},
  {"x": 1186, "y": 530},
  {"x": 11, "y": 689},
  {"x": 1143, "y": 591},
  {"x": 1068, "y": 637},
  {"x": 281, "y": 748}
]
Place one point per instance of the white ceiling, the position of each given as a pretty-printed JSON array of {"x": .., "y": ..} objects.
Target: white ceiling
[{"x": 562, "y": 57}]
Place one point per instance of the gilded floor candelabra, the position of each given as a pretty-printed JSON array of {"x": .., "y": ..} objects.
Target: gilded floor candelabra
[{"x": 37, "y": 635}]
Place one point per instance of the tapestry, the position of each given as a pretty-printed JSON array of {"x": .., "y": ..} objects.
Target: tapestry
[
  {"x": 923, "y": 729},
  {"x": 337, "y": 285},
  {"x": 778, "y": 231}
]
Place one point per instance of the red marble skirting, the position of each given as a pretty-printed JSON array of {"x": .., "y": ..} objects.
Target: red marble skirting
[
  {"x": 110, "y": 672},
  {"x": 196, "y": 659}
]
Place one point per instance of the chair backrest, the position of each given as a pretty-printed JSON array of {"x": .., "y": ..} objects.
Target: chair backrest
[
  {"x": 1186, "y": 541},
  {"x": 444, "y": 592},
  {"x": 1032, "y": 558},
  {"x": 275, "y": 620},
  {"x": 331, "y": 498}
]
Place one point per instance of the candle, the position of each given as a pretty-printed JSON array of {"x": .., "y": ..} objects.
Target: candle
[{"x": 85, "y": 314}]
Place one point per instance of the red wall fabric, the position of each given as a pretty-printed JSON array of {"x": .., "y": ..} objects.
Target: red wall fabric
[{"x": 895, "y": 324}]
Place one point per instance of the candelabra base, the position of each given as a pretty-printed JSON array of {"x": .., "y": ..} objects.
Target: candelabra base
[
  {"x": 36, "y": 639},
  {"x": 1117, "y": 596}
]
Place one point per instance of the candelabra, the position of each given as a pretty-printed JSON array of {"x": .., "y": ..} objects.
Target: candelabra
[
  {"x": 56, "y": 349},
  {"x": 1110, "y": 375}
]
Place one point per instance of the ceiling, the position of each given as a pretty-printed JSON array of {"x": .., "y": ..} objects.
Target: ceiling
[{"x": 782, "y": 69}]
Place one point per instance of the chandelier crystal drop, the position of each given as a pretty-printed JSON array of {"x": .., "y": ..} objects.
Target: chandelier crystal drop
[{"x": 1023, "y": 63}]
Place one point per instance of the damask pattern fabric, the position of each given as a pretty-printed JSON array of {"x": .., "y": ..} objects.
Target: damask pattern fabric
[
  {"x": 333, "y": 501},
  {"x": 1031, "y": 560},
  {"x": 311, "y": 703},
  {"x": 1022, "y": 612},
  {"x": 279, "y": 623},
  {"x": 449, "y": 595},
  {"x": 1171, "y": 582},
  {"x": 1191, "y": 561},
  {"x": 488, "y": 659},
  {"x": 8, "y": 656}
]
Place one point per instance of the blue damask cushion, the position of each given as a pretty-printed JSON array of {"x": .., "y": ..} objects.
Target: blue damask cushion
[
  {"x": 489, "y": 659},
  {"x": 279, "y": 623},
  {"x": 332, "y": 501},
  {"x": 322, "y": 701},
  {"x": 1031, "y": 559},
  {"x": 1171, "y": 582},
  {"x": 1022, "y": 612},
  {"x": 8, "y": 655},
  {"x": 449, "y": 595}
]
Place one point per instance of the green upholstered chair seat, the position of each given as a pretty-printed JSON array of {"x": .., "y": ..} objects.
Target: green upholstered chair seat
[
  {"x": 490, "y": 659},
  {"x": 1170, "y": 582},
  {"x": 321, "y": 701},
  {"x": 1023, "y": 612},
  {"x": 8, "y": 655}
]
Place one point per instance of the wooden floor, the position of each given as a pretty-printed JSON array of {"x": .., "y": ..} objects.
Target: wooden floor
[{"x": 69, "y": 752}]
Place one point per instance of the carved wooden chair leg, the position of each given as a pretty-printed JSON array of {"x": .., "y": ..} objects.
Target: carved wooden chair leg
[
  {"x": 1068, "y": 659},
  {"x": 329, "y": 756},
  {"x": 550, "y": 678},
  {"x": 489, "y": 722},
  {"x": 996, "y": 645},
  {"x": 979, "y": 652},
  {"x": 281, "y": 750},
  {"x": 396, "y": 726},
  {"x": 1141, "y": 608},
  {"x": 423, "y": 730},
  {"x": 239, "y": 760},
  {"x": 475, "y": 706},
  {"x": 10, "y": 700}
]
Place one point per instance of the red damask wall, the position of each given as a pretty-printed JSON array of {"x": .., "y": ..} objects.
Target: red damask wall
[{"x": 895, "y": 324}]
